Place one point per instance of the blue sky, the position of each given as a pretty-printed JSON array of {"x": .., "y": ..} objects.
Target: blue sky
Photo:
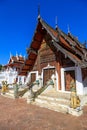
[{"x": 18, "y": 20}]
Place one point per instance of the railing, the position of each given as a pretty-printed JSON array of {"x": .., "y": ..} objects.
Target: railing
[
  {"x": 38, "y": 92},
  {"x": 22, "y": 92},
  {"x": 35, "y": 94}
]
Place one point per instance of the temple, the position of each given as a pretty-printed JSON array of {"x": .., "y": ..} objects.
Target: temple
[
  {"x": 11, "y": 69},
  {"x": 54, "y": 53}
]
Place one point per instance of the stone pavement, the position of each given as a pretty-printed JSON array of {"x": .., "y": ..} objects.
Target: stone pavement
[{"x": 16, "y": 114}]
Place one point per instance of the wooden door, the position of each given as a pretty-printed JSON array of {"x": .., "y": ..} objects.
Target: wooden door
[
  {"x": 69, "y": 75},
  {"x": 47, "y": 74},
  {"x": 33, "y": 77}
]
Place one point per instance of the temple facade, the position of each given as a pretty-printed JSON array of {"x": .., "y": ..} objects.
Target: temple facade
[
  {"x": 10, "y": 72},
  {"x": 57, "y": 56}
]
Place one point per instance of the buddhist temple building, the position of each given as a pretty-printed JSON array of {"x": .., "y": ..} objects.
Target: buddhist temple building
[
  {"x": 55, "y": 54},
  {"x": 11, "y": 69}
]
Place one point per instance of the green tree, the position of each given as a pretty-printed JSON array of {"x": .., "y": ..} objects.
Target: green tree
[{"x": 0, "y": 67}]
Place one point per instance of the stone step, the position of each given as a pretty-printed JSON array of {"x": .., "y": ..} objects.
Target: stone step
[
  {"x": 9, "y": 95},
  {"x": 11, "y": 91},
  {"x": 57, "y": 94},
  {"x": 53, "y": 99},
  {"x": 53, "y": 105},
  {"x": 57, "y": 106}
]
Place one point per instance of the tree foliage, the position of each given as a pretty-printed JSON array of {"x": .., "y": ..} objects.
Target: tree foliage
[{"x": 0, "y": 67}]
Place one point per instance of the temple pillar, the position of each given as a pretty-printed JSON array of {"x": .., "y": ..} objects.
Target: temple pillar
[
  {"x": 59, "y": 77},
  {"x": 79, "y": 85},
  {"x": 59, "y": 63}
]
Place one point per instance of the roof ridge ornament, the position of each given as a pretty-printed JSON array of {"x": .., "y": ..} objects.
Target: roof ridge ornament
[
  {"x": 38, "y": 11},
  {"x": 85, "y": 44},
  {"x": 10, "y": 54},
  {"x": 56, "y": 23},
  {"x": 68, "y": 29},
  {"x": 16, "y": 54},
  {"x": 20, "y": 55}
]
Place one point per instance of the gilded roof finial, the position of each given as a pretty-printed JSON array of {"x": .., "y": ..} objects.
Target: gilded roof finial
[
  {"x": 56, "y": 23},
  {"x": 38, "y": 11}
]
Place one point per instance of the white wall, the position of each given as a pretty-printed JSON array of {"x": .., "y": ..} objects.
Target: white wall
[
  {"x": 79, "y": 84},
  {"x": 10, "y": 75},
  {"x": 2, "y": 77}
]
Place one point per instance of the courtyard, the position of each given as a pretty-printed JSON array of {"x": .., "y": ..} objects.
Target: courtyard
[{"x": 16, "y": 114}]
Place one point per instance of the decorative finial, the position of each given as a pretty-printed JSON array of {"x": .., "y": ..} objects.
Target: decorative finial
[
  {"x": 56, "y": 23},
  {"x": 68, "y": 29},
  {"x": 38, "y": 11},
  {"x": 20, "y": 55},
  {"x": 24, "y": 57},
  {"x": 16, "y": 53},
  {"x": 10, "y": 55},
  {"x": 85, "y": 43}
]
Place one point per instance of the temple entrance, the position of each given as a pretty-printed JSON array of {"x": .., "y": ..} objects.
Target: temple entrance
[
  {"x": 33, "y": 77},
  {"x": 69, "y": 75},
  {"x": 47, "y": 73}
]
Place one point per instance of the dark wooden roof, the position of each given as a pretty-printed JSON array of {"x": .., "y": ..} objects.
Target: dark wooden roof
[{"x": 66, "y": 43}]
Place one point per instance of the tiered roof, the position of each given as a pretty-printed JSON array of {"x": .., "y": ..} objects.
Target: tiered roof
[
  {"x": 15, "y": 61},
  {"x": 66, "y": 43}
]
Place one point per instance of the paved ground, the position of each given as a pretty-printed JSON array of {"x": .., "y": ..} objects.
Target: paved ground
[{"x": 16, "y": 114}]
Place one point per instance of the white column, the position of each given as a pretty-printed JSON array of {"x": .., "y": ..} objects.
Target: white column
[
  {"x": 62, "y": 80},
  {"x": 79, "y": 85}
]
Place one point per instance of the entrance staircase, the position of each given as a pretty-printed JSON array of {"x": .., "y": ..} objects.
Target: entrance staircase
[
  {"x": 54, "y": 100},
  {"x": 9, "y": 94},
  {"x": 22, "y": 92}
]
